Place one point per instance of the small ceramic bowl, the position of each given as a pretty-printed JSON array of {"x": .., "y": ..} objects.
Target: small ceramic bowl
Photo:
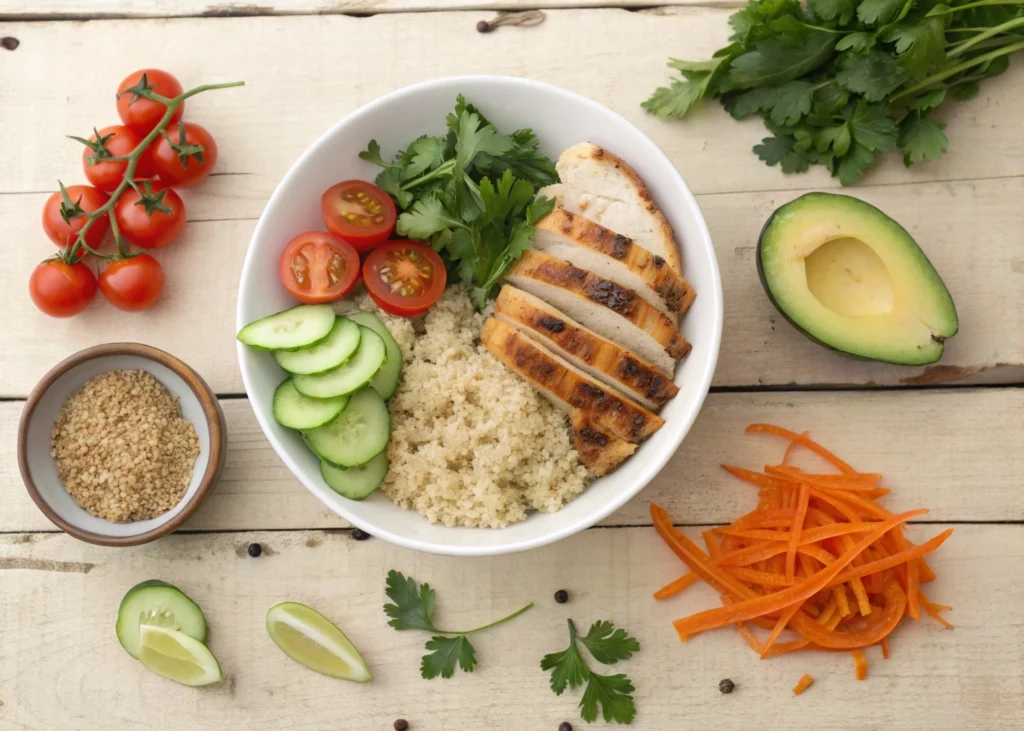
[{"x": 39, "y": 471}]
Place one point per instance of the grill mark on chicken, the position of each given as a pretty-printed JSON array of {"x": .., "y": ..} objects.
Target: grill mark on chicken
[
  {"x": 591, "y": 436},
  {"x": 551, "y": 324},
  {"x": 658, "y": 262},
  {"x": 611, "y": 295}
]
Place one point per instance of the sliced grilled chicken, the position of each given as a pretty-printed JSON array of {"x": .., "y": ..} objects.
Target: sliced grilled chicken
[
  {"x": 566, "y": 386},
  {"x": 613, "y": 256},
  {"x": 600, "y": 451},
  {"x": 602, "y": 187},
  {"x": 604, "y": 360},
  {"x": 609, "y": 309}
]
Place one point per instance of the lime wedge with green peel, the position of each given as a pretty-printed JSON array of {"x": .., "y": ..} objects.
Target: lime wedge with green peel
[
  {"x": 310, "y": 639},
  {"x": 177, "y": 656}
]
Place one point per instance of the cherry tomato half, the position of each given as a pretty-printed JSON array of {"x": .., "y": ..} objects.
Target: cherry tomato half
[
  {"x": 404, "y": 278},
  {"x": 142, "y": 115},
  {"x": 118, "y": 141},
  {"x": 358, "y": 212},
  {"x": 197, "y": 166},
  {"x": 153, "y": 228},
  {"x": 60, "y": 289},
  {"x": 62, "y": 232},
  {"x": 133, "y": 284},
  {"x": 317, "y": 267}
]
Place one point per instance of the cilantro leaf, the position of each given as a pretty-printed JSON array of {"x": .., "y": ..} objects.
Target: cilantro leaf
[
  {"x": 840, "y": 11},
  {"x": 792, "y": 101},
  {"x": 390, "y": 181},
  {"x": 609, "y": 645},
  {"x": 781, "y": 150},
  {"x": 778, "y": 60},
  {"x": 372, "y": 154},
  {"x": 853, "y": 164},
  {"x": 928, "y": 100},
  {"x": 859, "y": 42},
  {"x": 872, "y": 126},
  {"x": 966, "y": 92},
  {"x": 880, "y": 12},
  {"x": 426, "y": 217},
  {"x": 567, "y": 666},
  {"x": 613, "y": 693},
  {"x": 922, "y": 139},
  {"x": 751, "y": 22},
  {"x": 838, "y": 138},
  {"x": 675, "y": 101},
  {"x": 875, "y": 75},
  {"x": 445, "y": 653},
  {"x": 921, "y": 46},
  {"x": 474, "y": 138},
  {"x": 413, "y": 606},
  {"x": 423, "y": 154}
]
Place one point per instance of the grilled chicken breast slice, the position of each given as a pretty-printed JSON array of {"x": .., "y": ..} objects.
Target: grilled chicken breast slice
[
  {"x": 612, "y": 364},
  {"x": 566, "y": 386},
  {"x": 599, "y": 451},
  {"x": 609, "y": 309},
  {"x": 613, "y": 256},
  {"x": 604, "y": 188}
]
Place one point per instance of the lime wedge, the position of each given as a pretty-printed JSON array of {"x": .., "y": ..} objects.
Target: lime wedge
[
  {"x": 310, "y": 639},
  {"x": 177, "y": 656}
]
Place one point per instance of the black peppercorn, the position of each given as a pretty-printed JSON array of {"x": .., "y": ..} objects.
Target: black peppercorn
[
  {"x": 360, "y": 535},
  {"x": 565, "y": 726},
  {"x": 255, "y": 549},
  {"x": 561, "y": 596},
  {"x": 726, "y": 686},
  {"x": 484, "y": 27},
  {"x": 9, "y": 42},
  {"x": 401, "y": 725}
]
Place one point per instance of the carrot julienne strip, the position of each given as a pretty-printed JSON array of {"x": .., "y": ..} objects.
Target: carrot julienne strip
[
  {"x": 860, "y": 664},
  {"x": 794, "y": 530},
  {"x": 803, "y": 684},
  {"x": 803, "y": 441},
  {"x": 895, "y": 559},
  {"x": 676, "y": 586},
  {"x": 885, "y": 647}
]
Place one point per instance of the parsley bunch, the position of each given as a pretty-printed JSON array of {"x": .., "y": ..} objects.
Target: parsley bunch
[
  {"x": 413, "y": 608},
  {"x": 840, "y": 81},
  {"x": 470, "y": 193},
  {"x": 613, "y": 693}
]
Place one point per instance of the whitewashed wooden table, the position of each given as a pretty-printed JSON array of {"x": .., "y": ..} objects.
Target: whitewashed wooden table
[{"x": 949, "y": 437}]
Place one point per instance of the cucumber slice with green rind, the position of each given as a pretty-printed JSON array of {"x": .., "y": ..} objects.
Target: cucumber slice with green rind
[
  {"x": 339, "y": 345},
  {"x": 156, "y": 602},
  {"x": 351, "y": 375},
  {"x": 356, "y": 483},
  {"x": 295, "y": 411},
  {"x": 295, "y": 328},
  {"x": 178, "y": 657},
  {"x": 357, "y": 434},
  {"x": 386, "y": 380}
]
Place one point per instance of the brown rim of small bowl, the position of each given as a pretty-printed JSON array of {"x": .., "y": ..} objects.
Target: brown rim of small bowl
[{"x": 211, "y": 410}]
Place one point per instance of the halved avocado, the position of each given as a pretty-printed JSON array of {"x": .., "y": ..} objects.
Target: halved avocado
[{"x": 852, "y": 279}]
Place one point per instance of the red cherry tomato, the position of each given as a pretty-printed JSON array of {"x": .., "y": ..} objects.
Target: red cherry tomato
[
  {"x": 118, "y": 141},
  {"x": 133, "y": 284},
  {"x": 359, "y": 213},
  {"x": 65, "y": 233},
  {"x": 316, "y": 268},
  {"x": 157, "y": 227},
  {"x": 404, "y": 278},
  {"x": 194, "y": 170},
  {"x": 60, "y": 289},
  {"x": 142, "y": 115}
]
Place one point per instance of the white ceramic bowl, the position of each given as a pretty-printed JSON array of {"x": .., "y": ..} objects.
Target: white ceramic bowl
[
  {"x": 560, "y": 119},
  {"x": 39, "y": 471}
]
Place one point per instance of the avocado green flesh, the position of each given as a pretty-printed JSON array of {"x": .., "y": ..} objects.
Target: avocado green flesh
[{"x": 853, "y": 279}]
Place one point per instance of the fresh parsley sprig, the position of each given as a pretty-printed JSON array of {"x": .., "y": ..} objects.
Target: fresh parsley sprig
[
  {"x": 840, "y": 81},
  {"x": 613, "y": 694},
  {"x": 472, "y": 193},
  {"x": 413, "y": 608}
]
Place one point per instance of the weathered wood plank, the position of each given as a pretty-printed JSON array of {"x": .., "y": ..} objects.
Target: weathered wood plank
[
  {"x": 940, "y": 450},
  {"x": 62, "y": 666}
]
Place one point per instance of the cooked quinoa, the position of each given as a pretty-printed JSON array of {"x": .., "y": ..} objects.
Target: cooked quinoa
[
  {"x": 123, "y": 450},
  {"x": 472, "y": 444}
]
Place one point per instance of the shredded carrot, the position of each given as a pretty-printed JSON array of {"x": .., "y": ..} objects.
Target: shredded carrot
[
  {"x": 803, "y": 684},
  {"x": 860, "y": 664},
  {"x": 818, "y": 556}
]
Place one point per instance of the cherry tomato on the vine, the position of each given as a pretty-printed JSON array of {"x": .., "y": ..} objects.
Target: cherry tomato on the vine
[
  {"x": 133, "y": 284},
  {"x": 151, "y": 222},
  {"x": 60, "y": 289},
  {"x": 317, "y": 267},
  {"x": 115, "y": 141},
  {"x": 404, "y": 278},
  {"x": 142, "y": 114},
  {"x": 358, "y": 212},
  {"x": 65, "y": 232},
  {"x": 193, "y": 160}
]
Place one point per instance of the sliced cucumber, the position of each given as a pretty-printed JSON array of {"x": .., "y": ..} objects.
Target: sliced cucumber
[
  {"x": 339, "y": 345},
  {"x": 386, "y": 380},
  {"x": 178, "y": 657},
  {"x": 295, "y": 411},
  {"x": 357, "y": 434},
  {"x": 351, "y": 375},
  {"x": 356, "y": 483},
  {"x": 294, "y": 328},
  {"x": 157, "y": 603}
]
